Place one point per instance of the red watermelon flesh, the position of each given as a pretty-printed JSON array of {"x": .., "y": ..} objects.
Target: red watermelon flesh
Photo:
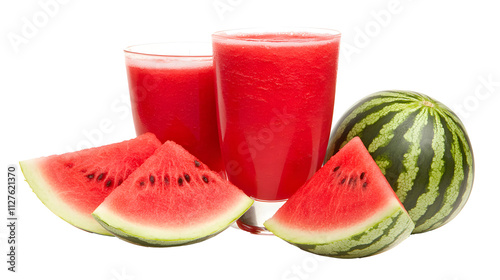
[
  {"x": 309, "y": 208},
  {"x": 172, "y": 199},
  {"x": 72, "y": 185},
  {"x": 347, "y": 209}
]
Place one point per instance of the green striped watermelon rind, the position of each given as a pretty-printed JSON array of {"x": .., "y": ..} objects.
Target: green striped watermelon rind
[
  {"x": 380, "y": 121},
  {"x": 372, "y": 237},
  {"x": 152, "y": 242},
  {"x": 377, "y": 239}
]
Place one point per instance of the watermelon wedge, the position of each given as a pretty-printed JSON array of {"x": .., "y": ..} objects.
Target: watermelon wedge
[
  {"x": 72, "y": 185},
  {"x": 346, "y": 210},
  {"x": 172, "y": 199}
]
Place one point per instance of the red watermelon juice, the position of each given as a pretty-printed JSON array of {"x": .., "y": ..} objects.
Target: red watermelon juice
[
  {"x": 173, "y": 96},
  {"x": 275, "y": 97}
]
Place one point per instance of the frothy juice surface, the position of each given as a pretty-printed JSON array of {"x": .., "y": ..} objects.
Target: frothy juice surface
[
  {"x": 276, "y": 94},
  {"x": 174, "y": 98}
]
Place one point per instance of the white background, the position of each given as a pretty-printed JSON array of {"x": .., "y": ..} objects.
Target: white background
[{"x": 63, "y": 87}]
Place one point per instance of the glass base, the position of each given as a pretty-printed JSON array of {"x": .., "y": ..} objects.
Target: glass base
[{"x": 253, "y": 220}]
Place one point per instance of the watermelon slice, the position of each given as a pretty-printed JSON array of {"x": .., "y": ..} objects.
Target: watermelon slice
[
  {"x": 72, "y": 185},
  {"x": 172, "y": 199},
  {"x": 347, "y": 209}
]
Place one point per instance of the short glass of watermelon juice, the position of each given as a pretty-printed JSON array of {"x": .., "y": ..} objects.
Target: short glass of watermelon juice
[
  {"x": 172, "y": 95},
  {"x": 275, "y": 97}
]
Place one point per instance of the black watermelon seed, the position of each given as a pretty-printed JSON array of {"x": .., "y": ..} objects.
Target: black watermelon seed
[
  {"x": 197, "y": 163},
  {"x": 166, "y": 180},
  {"x": 362, "y": 175},
  {"x": 365, "y": 184},
  {"x": 151, "y": 179},
  {"x": 90, "y": 176},
  {"x": 109, "y": 182},
  {"x": 179, "y": 181},
  {"x": 100, "y": 177},
  {"x": 188, "y": 179},
  {"x": 205, "y": 179},
  {"x": 142, "y": 183},
  {"x": 343, "y": 181},
  {"x": 336, "y": 168}
]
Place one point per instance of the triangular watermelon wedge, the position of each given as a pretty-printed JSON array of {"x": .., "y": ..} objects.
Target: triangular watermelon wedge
[
  {"x": 346, "y": 210},
  {"x": 72, "y": 185},
  {"x": 172, "y": 199}
]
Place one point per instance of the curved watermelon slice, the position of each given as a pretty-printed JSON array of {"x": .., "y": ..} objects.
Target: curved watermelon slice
[
  {"x": 347, "y": 209},
  {"x": 72, "y": 185},
  {"x": 172, "y": 199}
]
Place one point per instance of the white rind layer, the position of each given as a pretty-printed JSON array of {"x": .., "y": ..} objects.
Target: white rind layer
[
  {"x": 302, "y": 236},
  {"x": 156, "y": 235},
  {"x": 43, "y": 189}
]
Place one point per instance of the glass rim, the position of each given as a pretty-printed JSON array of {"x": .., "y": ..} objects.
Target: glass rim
[
  {"x": 232, "y": 33},
  {"x": 141, "y": 49}
]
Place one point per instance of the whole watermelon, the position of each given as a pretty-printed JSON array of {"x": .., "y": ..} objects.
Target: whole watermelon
[{"x": 421, "y": 147}]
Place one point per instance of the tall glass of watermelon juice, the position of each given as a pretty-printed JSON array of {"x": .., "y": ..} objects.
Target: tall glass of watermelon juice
[
  {"x": 172, "y": 95},
  {"x": 275, "y": 97}
]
